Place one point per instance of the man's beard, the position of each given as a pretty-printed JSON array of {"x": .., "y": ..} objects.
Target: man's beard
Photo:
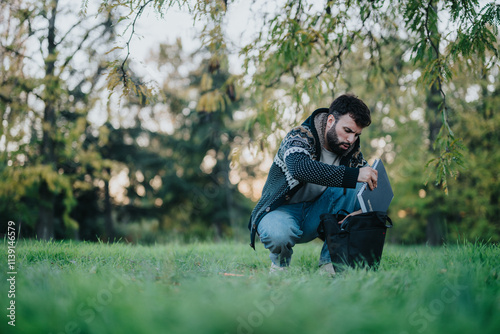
[{"x": 334, "y": 143}]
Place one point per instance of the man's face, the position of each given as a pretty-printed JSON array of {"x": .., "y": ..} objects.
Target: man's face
[{"x": 341, "y": 134}]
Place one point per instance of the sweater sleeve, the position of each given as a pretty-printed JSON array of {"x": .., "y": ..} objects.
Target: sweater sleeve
[{"x": 305, "y": 169}]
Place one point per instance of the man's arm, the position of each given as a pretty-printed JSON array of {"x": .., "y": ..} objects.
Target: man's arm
[{"x": 305, "y": 169}]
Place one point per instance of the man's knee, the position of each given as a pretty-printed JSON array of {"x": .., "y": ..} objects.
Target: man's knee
[{"x": 277, "y": 239}]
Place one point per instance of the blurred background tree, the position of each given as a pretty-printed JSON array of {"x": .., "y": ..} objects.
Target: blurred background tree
[
  {"x": 179, "y": 178},
  {"x": 52, "y": 61},
  {"x": 300, "y": 59},
  {"x": 187, "y": 157}
]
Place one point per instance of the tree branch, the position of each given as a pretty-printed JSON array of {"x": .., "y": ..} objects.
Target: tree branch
[
  {"x": 16, "y": 52},
  {"x": 440, "y": 66},
  {"x": 69, "y": 31},
  {"x": 122, "y": 67},
  {"x": 338, "y": 57},
  {"x": 427, "y": 30},
  {"x": 80, "y": 45}
]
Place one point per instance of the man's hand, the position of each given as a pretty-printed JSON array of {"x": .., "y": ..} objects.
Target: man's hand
[{"x": 368, "y": 175}]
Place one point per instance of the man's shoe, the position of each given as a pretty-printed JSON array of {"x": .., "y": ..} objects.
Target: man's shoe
[
  {"x": 275, "y": 268},
  {"x": 327, "y": 269}
]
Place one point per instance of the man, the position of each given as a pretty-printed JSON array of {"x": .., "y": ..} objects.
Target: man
[{"x": 316, "y": 170}]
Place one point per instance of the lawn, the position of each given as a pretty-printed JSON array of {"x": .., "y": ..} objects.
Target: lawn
[{"x": 69, "y": 287}]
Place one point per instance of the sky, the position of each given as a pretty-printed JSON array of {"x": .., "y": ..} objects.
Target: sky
[{"x": 152, "y": 29}]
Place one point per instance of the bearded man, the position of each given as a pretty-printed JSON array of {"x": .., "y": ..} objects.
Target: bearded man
[{"x": 318, "y": 168}]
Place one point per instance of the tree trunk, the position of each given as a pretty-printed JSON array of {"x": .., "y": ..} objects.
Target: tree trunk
[
  {"x": 108, "y": 212},
  {"x": 436, "y": 229},
  {"x": 229, "y": 192},
  {"x": 45, "y": 224}
]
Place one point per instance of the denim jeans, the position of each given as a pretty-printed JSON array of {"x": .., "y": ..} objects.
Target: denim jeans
[{"x": 292, "y": 224}]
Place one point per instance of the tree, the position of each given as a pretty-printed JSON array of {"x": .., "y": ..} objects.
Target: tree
[
  {"x": 50, "y": 79},
  {"x": 305, "y": 47},
  {"x": 180, "y": 178},
  {"x": 298, "y": 31}
]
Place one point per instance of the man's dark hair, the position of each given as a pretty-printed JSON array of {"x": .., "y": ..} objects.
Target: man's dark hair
[{"x": 350, "y": 104}]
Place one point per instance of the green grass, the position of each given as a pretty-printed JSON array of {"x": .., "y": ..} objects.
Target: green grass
[{"x": 98, "y": 288}]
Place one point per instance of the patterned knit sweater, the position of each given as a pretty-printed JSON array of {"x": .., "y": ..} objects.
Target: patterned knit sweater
[{"x": 297, "y": 163}]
